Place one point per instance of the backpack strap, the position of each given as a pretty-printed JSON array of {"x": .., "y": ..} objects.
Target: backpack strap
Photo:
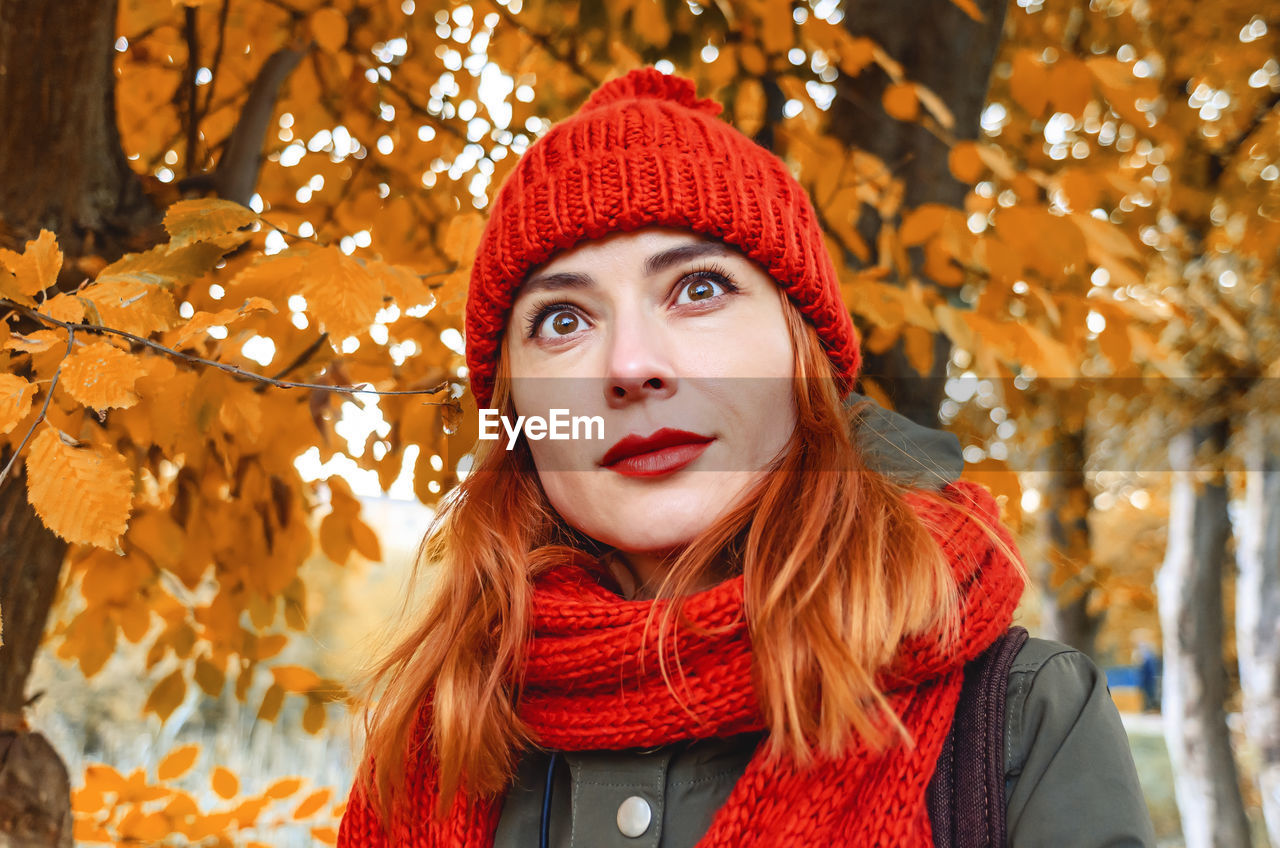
[{"x": 966, "y": 794}]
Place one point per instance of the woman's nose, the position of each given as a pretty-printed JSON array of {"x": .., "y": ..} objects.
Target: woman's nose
[{"x": 640, "y": 363}]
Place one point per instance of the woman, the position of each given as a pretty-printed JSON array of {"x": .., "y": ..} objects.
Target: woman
[{"x": 727, "y": 621}]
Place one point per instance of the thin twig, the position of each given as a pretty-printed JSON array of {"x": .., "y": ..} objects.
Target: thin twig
[
  {"x": 221, "y": 366},
  {"x": 297, "y": 360},
  {"x": 217, "y": 57},
  {"x": 193, "y": 62},
  {"x": 8, "y": 466},
  {"x": 544, "y": 41}
]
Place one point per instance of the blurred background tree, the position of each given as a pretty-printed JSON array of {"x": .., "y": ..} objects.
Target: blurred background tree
[{"x": 1055, "y": 224}]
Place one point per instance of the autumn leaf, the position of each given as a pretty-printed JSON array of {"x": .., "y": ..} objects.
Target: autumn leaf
[
  {"x": 133, "y": 305},
  {"x": 207, "y": 219},
  {"x": 313, "y": 717},
  {"x": 177, "y": 762},
  {"x": 327, "y": 835},
  {"x": 312, "y": 803},
  {"x": 922, "y": 223},
  {"x": 224, "y": 782},
  {"x": 295, "y": 678},
  {"x": 163, "y": 266},
  {"x": 82, "y": 493},
  {"x": 167, "y": 695},
  {"x": 650, "y": 23},
  {"x": 329, "y": 28},
  {"x": 102, "y": 376},
  {"x": 901, "y": 102},
  {"x": 272, "y": 701},
  {"x": 15, "y": 401},
  {"x": 1029, "y": 83},
  {"x": 340, "y": 293},
  {"x": 33, "y": 270},
  {"x": 283, "y": 788}
]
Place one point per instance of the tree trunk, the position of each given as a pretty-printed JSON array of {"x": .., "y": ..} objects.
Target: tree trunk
[
  {"x": 1258, "y": 612},
  {"x": 63, "y": 166},
  {"x": 1066, "y": 576},
  {"x": 950, "y": 53},
  {"x": 1189, "y": 588},
  {"x": 64, "y": 170}
]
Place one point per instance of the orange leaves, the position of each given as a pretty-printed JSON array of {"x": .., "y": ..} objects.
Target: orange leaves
[
  {"x": 900, "y": 101},
  {"x": 224, "y": 782},
  {"x": 329, "y": 28},
  {"x": 1029, "y": 83},
  {"x": 342, "y": 531},
  {"x": 101, "y": 376},
  {"x": 207, "y": 219},
  {"x": 342, "y": 293},
  {"x": 296, "y": 678},
  {"x": 168, "y": 694},
  {"x": 15, "y": 400},
  {"x": 32, "y": 271},
  {"x": 114, "y": 809},
  {"x": 312, "y": 803},
  {"x": 82, "y": 493},
  {"x": 177, "y": 762},
  {"x": 650, "y": 23}
]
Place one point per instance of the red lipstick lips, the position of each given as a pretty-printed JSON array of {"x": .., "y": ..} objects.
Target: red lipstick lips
[{"x": 665, "y": 451}]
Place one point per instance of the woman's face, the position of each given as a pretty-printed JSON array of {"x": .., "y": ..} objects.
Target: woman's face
[{"x": 680, "y": 346}]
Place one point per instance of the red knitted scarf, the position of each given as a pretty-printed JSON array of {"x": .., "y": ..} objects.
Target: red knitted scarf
[{"x": 592, "y": 683}]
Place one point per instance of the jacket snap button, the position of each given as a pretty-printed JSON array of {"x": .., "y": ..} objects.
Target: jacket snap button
[{"x": 634, "y": 816}]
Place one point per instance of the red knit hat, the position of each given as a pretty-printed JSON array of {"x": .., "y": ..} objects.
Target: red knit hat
[{"x": 644, "y": 150}]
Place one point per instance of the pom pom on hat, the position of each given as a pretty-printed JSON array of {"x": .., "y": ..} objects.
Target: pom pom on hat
[{"x": 649, "y": 82}]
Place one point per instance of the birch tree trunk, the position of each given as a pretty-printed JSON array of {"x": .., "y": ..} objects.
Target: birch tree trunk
[
  {"x": 1189, "y": 590},
  {"x": 1258, "y": 612}
]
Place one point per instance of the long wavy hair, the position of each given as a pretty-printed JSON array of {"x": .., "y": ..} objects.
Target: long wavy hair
[{"x": 838, "y": 569}]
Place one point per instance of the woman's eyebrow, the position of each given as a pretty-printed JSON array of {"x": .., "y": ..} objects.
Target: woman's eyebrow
[{"x": 656, "y": 263}]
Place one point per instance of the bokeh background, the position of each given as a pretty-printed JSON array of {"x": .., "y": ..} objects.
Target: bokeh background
[{"x": 1056, "y": 227}]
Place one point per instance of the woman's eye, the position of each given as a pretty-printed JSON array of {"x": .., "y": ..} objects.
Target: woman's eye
[
  {"x": 702, "y": 289},
  {"x": 560, "y": 323}
]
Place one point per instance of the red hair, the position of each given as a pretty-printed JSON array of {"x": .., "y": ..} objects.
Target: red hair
[{"x": 838, "y": 569}]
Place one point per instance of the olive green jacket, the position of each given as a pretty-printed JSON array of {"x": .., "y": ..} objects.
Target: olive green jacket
[{"x": 1069, "y": 777}]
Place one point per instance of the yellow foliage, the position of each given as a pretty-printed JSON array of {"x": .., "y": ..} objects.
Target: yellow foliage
[
  {"x": 901, "y": 102},
  {"x": 15, "y": 400},
  {"x": 329, "y": 28},
  {"x": 32, "y": 271},
  {"x": 101, "y": 376},
  {"x": 177, "y": 762},
  {"x": 167, "y": 695},
  {"x": 101, "y": 479},
  {"x": 207, "y": 219},
  {"x": 225, "y": 783}
]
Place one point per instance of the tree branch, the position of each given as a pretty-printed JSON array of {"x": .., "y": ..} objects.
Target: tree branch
[
  {"x": 193, "y": 61},
  {"x": 237, "y": 171},
  {"x": 8, "y": 466},
  {"x": 217, "y": 57},
  {"x": 221, "y": 366},
  {"x": 544, "y": 41}
]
